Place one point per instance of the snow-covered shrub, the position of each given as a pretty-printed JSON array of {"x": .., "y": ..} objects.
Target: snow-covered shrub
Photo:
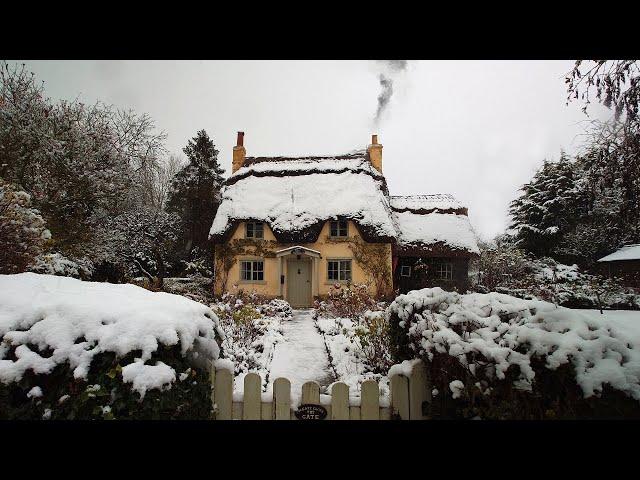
[
  {"x": 358, "y": 349},
  {"x": 22, "y": 229},
  {"x": 196, "y": 288},
  {"x": 506, "y": 269},
  {"x": 98, "y": 350},
  {"x": 58, "y": 264},
  {"x": 252, "y": 326},
  {"x": 347, "y": 301},
  {"x": 198, "y": 264},
  {"x": 516, "y": 358}
]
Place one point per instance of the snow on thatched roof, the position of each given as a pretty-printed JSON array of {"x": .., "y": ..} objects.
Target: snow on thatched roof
[
  {"x": 628, "y": 252},
  {"x": 292, "y": 195},
  {"x": 440, "y": 219},
  {"x": 438, "y": 201}
]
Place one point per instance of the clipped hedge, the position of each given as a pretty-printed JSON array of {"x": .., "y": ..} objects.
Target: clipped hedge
[
  {"x": 104, "y": 395},
  {"x": 84, "y": 350},
  {"x": 493, "y": 356}
]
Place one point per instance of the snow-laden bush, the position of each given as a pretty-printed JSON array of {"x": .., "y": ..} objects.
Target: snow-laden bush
[
  {"x": 22, "y": 229},
  {"x": 516, "y": 358},
  {"x": 58, "y": 264},
  {"x": 358, "y": 349},
  {"x": 505, "y": 268},
  {"x": 96, "y": 350},
  {"x": 347, "y": 301},
  {"x": 252, "y": 326}
]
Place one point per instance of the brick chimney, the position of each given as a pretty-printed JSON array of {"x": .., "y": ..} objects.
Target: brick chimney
[
  {"x": 375, "y": 153},
  {"x": 239, "y": 153}
]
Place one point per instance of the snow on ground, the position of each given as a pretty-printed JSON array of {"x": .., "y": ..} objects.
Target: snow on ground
[
  {"x": 76, "y": 320},
  {"x": 302, "y": 356}
]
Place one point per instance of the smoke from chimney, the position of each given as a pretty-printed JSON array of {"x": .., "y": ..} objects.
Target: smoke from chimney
[{"x": 393, "y": 68}]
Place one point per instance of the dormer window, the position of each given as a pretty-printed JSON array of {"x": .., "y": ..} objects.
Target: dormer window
[
  {"x": 338, "y": 228},
  {"x": 255, "y": 230}
]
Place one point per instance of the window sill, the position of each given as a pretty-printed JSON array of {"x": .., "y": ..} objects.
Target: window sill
[
  {"x": 254, "y": 282},
  {"x": 333, "y": 282}
]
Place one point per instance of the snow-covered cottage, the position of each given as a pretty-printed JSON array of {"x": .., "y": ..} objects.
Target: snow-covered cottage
[{"x": 294, "y": 227}]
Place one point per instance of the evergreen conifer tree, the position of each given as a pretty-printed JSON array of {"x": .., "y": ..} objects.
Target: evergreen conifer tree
[{"x": 195, "y": 192}]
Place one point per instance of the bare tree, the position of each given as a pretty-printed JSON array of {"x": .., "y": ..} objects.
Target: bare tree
[{"x": 616, "y": 84}]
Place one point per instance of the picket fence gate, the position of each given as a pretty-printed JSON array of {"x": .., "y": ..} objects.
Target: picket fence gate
[{"x": 409, "y": 393}]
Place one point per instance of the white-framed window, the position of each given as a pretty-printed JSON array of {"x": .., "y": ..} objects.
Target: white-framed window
[
  {"x": 339, "y": 228},
  {"x": 444, "y": 271},
  {"x": 251, "y": 270},
  {"x": 254, "y": 230},
  {"x": 405, "y": 271},
  {"x": 339, "y": 270}
]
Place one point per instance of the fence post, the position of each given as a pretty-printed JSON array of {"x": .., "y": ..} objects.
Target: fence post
[
  {"x": 282, "y": 398},
  {"x": 251, "y": 409},
  {"x": 340, "y": 401},
  {"x": 223, "y": 393},
  {"x": 370, "y": 403},
  {"x": 400, "y": 396},
  {"x": 311, "y": 393},
  {"x": 418, "y": 391}
]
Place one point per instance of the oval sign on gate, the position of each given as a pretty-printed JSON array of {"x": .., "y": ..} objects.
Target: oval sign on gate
[{"x": 311, "y": 412}]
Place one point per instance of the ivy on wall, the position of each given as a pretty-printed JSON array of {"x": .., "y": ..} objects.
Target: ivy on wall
[
  {"x": 226, "y": 255},
  {"x": 373, "y": 259}
]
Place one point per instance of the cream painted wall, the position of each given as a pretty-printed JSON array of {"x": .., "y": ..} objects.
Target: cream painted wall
[{"x": 329, "y": 249}]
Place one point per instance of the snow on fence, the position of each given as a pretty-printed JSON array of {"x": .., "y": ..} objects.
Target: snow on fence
[{"x": 408, "y": 384}]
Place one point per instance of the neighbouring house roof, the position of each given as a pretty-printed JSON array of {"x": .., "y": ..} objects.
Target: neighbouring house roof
[
  {"x": 628, "y": 252},
  {"x": 295, "y": 196},
  {"x": 434, "y": 223},
  {"x": 442, "y": 202}
]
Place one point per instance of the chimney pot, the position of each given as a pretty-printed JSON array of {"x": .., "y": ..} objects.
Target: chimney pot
[
  {"x": 374, "y": 139},
  {"x": 240, "y": 141}
]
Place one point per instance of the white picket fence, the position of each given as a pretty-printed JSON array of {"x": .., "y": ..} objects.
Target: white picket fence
[{"x": 408, "y": 396}]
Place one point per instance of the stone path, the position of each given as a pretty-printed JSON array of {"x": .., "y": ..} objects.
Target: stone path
[{"x": 302, "y": 356}]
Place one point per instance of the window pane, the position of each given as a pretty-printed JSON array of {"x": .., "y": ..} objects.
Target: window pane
[
  {"x": 342, "y": 232},
  {"x": 345, "y": 270},
  {"x": 334, "y": 229},
  {"x": 246, "y": 270},
  {"x": 249, "y": 230},
  {"x": 258, "y": 230},
  {"x": 332, "y": 270}
]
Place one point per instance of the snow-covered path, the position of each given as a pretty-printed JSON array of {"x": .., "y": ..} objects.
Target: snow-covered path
[{"x": 302, "y": 356}]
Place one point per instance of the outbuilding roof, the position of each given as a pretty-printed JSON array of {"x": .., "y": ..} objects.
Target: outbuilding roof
[{"x": 628, "y": 252}]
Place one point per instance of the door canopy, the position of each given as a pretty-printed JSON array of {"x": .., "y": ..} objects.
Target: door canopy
[{"x": 298, "y": 250}]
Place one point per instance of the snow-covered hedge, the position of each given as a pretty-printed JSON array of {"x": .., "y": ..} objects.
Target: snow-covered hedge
[
  {"x": 121, "y": 350},
  {"x": 501, "y": 353}
]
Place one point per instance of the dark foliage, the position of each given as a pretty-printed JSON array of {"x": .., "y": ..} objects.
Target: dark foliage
[
  {"x": 187, "y": 399},
  {"x": 195, "y": 193}
]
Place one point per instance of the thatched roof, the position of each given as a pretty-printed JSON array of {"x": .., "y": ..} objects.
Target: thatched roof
[
  {"x": 296, "y": 196},
  {"x": 433, "y": 224}
]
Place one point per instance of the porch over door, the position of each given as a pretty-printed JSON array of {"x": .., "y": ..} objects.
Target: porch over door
[{"x": 299, "y": 282}]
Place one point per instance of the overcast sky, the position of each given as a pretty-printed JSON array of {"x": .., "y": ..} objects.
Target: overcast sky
[{"x": 476, "y": 129}]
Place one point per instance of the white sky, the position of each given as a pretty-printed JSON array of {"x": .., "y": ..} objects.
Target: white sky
[{"x": 476, "y": 129}]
